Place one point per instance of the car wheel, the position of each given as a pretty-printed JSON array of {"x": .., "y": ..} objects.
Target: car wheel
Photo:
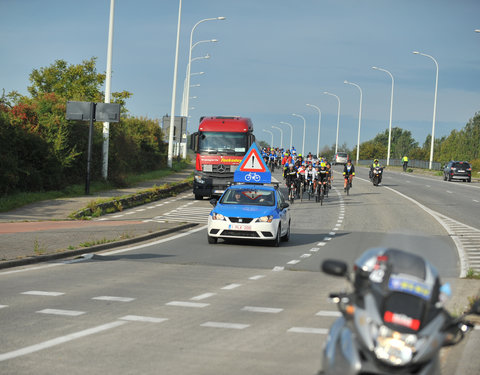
[
  {"x": 287, "y": 235},
  {"x": 198, "y": 197},
  {"x": 276, "y": 241},
  {"x": 212, "y": 240}
]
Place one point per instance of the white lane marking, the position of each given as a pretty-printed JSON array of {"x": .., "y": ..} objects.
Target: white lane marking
[
  {"x": 475, "y": 200},
  {"x": 328, "y": 313},
  {"x": 314, "y": 249},
  {"x": 278, "y": 268},
  {"x": 203, "y": 296},
  {"x": 3, "y": 306},
  {"x": 140, "y": 210},
  {"x": 449, "y": 192},
  {"x": 305, "y": 255},
  {"x": 231, "y": 286},
  {"x": 318, "y": 331},
  {"x": 295, "y": 261},
  {"x": 146, "y": 319},
  {"x": 61, "y": 312},
  {"x": 225, "y": 325},
  {"x": 41, "y": 293},
  {"x": 267, "y": 310},
  {"x": 187, "y": 304},
  {"x": 102, "y": 219},
  {"x": 116, "y": 216},
  {"x": 256, "y": 277},
  {"x": 335, "y": 228},
  {"x": 332, "y": 234},
  {"x": 327, "y": 238},
  {"x": 32, "y": 268},
  {"x": 321, "y": 244},
  {"x": 428, "y": 186},
  {"x": 113, "y": 298},
  {"x": 59, "y": 340}
]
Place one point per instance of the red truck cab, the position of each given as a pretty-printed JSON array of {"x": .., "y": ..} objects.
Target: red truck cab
[{"x": 220, "y": 145}]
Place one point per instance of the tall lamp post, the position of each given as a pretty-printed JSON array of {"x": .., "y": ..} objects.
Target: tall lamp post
[
  {"x": 271, "y": 133},
  {"x": 319, "y": 122},
  {"x": 338, "y": 118},
  {"x": 186, "y": 91},
  {"x": 281, "y": 135},
  {"x": 391, "y": 109},
  {"x": 434, "y": 106},
  {"x": 174, "y": 90},
  {"x": 291, "y": 132},
  {"x": 304, "y": 127},
  {"x": 189, "y": 64},
  {"x": 359, "y": 116},
  {"x": 108, "y": 80}
]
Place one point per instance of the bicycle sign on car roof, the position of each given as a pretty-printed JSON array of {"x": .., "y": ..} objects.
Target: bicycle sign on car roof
[{"x": 252, "y": 168}]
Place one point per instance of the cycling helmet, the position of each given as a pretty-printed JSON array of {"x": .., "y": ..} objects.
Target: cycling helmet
[{"x": 375, "y": 160}]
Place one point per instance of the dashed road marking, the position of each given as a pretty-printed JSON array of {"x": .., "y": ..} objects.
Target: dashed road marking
[
  {"x": 203, "y": 296},
  {"x": 42, "y": 293},
  {"x": 61, "y": 312},
  {"x": 256, "y": 277},
  {"x": 266, "y": 310},
  {"x": 231, "y": 286},
  {"x": 187, "y": 304},
  {"x": 113, "y": 299},
  {"x": 146, "y": 319},
  {"x": 225, "y": 325},
  {"x": 295, "y": 261},
  {"x": 328, "y": 313},
  {"x": 318, "y": 331}
]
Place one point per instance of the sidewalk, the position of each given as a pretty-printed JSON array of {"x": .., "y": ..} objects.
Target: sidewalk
[{"x": 43, "y": 231}]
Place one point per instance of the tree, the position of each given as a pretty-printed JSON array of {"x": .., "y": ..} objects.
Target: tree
[{"x": 263, "y": 144}]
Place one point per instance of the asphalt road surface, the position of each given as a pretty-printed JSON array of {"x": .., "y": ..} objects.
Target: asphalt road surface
[{"x": 181, "y": 306}]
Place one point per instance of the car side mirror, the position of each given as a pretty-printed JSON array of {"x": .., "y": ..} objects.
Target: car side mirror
[
  {"x": 213, "y": 202},
  {"x": 284, "y": 205}
]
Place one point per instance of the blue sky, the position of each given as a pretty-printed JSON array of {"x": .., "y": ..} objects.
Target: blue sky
[{"x": 272, "y": 57}]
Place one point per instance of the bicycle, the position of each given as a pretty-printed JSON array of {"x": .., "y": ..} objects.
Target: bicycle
[
  {"x": 302, "y": 190},
  {"x": 271, "y": 165},
  {"x": 320, "y": 192},
  {"x": 349, "y": 184},
  {"x": 310, "y": 189},
  {"x": 292, "y": 192}
]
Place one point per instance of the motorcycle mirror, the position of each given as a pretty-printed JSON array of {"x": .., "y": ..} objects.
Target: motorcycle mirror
[{"x": 335, "y": 267}]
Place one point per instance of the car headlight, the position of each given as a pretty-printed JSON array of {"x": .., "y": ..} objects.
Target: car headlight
[
  {"x": 217, "y": 216},
  {"x": 393, "y": 347},
  {"x": 199, "y": 179},
  {"x": 265, "y": 219}
]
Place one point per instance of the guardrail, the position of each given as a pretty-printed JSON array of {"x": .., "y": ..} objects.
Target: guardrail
[{"x": 411, "y": 163}]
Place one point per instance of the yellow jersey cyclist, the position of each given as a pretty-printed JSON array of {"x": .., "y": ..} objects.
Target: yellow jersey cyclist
[{"x": 348, "y": 173}]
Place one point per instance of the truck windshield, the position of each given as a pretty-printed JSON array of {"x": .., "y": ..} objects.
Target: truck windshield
[{"x": 222, "y": 143}]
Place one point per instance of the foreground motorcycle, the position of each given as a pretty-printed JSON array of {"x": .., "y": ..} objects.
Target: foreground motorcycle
[
  {"x": 377, "y": 175},
  {"x": 393, "y": 322}
]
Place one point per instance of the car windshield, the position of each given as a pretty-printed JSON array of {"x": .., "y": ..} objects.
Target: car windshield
[
  {"x": 249, "y": 197},
  {"x": 222, "y": 143},
  {"x": 342, "y": 155}
]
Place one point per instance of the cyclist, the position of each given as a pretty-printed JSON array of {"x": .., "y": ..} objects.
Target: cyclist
[
  {"x": 330, "y": 174},
  {"x": 405, "y": 163},
  {"x": 374, "y": 165},
  {"x": 322, "y": 174},
  {"x": 291, "y": 177},
  {"x": 348, "y": 173},
  {"x": 301, "y": 178},
  {"x": 310, "y": 175},
  {"x": 271, "y": 160}
]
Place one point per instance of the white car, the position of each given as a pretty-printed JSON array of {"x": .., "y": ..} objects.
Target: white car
[{"x": 257, "y": 212}]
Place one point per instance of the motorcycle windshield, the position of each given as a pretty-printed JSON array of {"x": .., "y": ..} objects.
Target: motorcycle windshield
[{"x": 404, "y": 312}]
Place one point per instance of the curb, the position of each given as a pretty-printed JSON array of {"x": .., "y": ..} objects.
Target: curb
[{"x": 92, "y": 249}]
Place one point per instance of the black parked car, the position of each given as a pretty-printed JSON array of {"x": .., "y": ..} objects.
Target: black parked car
[{"x": 457, "y": 170}]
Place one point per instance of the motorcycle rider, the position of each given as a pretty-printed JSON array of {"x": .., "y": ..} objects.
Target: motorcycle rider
[
  {"x": 348, "y": 173},
  {"x": 372, "y": 167}
]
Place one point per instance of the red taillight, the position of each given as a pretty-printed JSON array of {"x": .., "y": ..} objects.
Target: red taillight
[{"x": 469, "y": 169}]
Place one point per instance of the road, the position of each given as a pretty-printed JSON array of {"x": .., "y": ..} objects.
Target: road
[{"x": 180, "y": 306}]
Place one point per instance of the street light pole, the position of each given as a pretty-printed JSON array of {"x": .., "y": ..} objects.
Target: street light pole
[
  {"x": 319, "y": 122},
  {"x": 271, "y": 133},
  {"x": 291, "y": 132},
  {"x": 172, "y": 110},
  {"x": 281, "y": 135},
  {"x": 108, "y": 85},
  {"x": 391, "y": 109},
  {"x": 304, "y": 127},
  {"x": 432, "y": 142},
  {"x": 338, "y": 118},
  {"x": 183, "y": 111},
  {"x": 359, "y": 116}
]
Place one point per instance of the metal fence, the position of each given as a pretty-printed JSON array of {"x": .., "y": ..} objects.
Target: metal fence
[{"x": 411, "y": 163}]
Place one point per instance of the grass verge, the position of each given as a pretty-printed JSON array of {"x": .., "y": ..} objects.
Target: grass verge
[{"x": 17, "y": 200}]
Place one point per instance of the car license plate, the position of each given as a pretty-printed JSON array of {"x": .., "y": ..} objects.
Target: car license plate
[
  {"x": 241, "y": 227},
  {"x": 461, "y": 171},
  {"x": 219, "y": 191}
]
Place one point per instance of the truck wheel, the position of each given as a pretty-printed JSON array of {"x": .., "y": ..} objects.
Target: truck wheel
[{"x": 198, "y": 197}]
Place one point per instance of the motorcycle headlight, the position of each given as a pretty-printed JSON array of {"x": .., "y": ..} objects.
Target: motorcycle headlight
[
  {"x": 216, "y": 216},
  {"x": 265, "y": 219},
  {"x": 393, "y": 347}
]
